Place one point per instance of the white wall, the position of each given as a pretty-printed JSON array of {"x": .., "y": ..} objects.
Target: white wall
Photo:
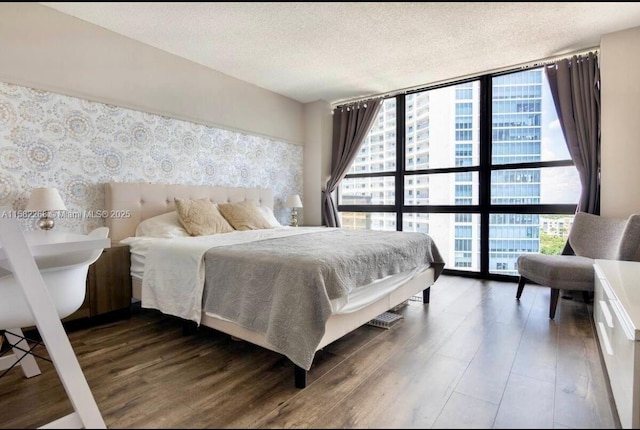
[
  {"x": 620, "y": 116},
  {"x": 318, "y": 123},
  {"x": 46, "y": 49}
]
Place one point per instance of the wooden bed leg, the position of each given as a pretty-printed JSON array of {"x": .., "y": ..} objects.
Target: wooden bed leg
[
  {"x": 300, "y": 376},
  {"x": 425, "y": 295}
]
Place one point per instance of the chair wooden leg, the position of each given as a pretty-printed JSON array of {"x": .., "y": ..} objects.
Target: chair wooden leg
[
  {"x": 521, "y": 283},
  {"x": 553, "y": 304}
]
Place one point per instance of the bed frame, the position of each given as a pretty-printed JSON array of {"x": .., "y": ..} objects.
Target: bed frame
[{"x": 131, "y": 203}]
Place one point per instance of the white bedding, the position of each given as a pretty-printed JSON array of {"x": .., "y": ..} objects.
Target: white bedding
[{"x": 173, "y": 282}]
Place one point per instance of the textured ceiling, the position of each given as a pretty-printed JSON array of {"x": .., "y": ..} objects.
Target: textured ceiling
[{"x": 338, "y": 51}]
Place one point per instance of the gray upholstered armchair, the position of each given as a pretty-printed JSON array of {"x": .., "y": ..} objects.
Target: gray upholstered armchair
[{"x": 591, "y": 237}]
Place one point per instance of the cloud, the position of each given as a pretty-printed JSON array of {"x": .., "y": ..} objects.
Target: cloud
[{"x": 560, "y": 185}]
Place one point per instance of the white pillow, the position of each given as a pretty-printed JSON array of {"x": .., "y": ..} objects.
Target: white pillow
[
  {"x": 165, "y": 225},
  {"x": 267, "y": 213}
]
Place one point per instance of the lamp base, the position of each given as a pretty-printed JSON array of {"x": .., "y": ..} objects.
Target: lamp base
[
  {"x": 46, "y": 223},
  {"x": 294, "y": 218}
]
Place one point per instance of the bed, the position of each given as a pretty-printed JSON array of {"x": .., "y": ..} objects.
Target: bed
[{"x": 269, "y": 287}]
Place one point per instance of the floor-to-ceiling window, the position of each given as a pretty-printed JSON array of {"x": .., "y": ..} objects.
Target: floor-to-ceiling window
[{"x": 479, "y": 165}]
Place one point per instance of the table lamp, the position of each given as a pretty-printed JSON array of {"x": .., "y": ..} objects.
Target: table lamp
[
  {"x": 45, "y": 200},
  {"x": 294, "y": 203}
]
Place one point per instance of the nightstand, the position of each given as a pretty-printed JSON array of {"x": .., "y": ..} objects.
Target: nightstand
[{"x": 108, "y": 284}]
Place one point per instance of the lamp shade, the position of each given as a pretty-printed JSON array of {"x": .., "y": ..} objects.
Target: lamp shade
[
  {"x": 294, "y": 201},
  {"x": 45, "y": 199}
]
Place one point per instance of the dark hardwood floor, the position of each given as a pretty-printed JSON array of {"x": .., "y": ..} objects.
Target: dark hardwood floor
[{"x": 475, "y": 357}]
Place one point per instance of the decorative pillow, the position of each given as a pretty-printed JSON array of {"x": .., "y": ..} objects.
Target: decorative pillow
[
  {"x": 267, "y": 213},
  {"x": 165, "y": 225},
  {"x": 201, "y": 217},
  {"x": 243, "y": 215}
]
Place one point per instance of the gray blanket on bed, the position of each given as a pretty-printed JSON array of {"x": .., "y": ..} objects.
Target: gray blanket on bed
[{"x": 282, "y": 287}]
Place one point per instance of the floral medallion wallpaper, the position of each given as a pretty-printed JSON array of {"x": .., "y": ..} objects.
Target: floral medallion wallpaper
[{"x": 75, "y": 145}]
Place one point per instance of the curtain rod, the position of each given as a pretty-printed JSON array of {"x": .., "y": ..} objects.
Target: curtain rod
[{"x": 521, "y": 66}]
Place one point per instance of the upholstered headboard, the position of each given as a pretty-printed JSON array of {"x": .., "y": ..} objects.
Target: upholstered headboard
[{"x": 128, "y": 204}]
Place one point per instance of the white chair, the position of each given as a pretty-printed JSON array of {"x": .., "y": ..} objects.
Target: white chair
[
  {"x": 65, "y": 276},
  {"x": 41, "y": 292}
]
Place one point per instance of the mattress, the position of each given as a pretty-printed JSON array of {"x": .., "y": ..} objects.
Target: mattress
[{"x": 355, "y": 300}]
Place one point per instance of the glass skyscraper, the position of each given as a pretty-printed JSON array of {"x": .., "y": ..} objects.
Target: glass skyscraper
[{"x": 516, "y": 138}]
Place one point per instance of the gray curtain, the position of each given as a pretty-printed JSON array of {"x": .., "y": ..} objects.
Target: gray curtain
[
  {"x": 575, "y": 87},
  {"x": 350, "y": 127}
]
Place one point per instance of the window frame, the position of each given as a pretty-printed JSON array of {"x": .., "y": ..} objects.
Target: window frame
[{"x": 485, "y": 168}]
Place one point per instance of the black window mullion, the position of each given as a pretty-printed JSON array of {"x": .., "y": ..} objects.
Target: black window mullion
[
  {"x": 444, "y": 170},
  {"x": 534, "y": 209},
  {"x": 369, "y": 208},
  {"x": 442, "y": 209},
  {"x": 533, "y": 165},
  {"x": 400, "y": 158},
  {"x": 485, "y": 171},
  {"x": 369, "y": 175}
]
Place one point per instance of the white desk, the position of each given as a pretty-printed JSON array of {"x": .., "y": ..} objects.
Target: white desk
[
  {"x": 616, "y": 311},
  {"x": 54, "y": 243},
  {"x": 18, "y": 253}
]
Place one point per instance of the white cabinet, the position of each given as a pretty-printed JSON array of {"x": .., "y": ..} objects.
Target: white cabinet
[{"x": 616, "y": 311}]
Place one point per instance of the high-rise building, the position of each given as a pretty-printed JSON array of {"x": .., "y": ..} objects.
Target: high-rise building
[{"x": 516, "y": 138}]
